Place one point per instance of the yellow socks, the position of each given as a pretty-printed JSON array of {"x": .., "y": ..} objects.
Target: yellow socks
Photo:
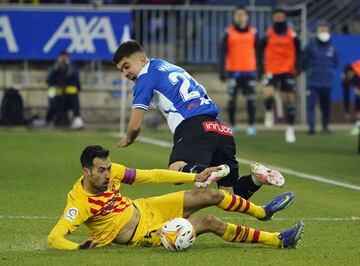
[
  {"x": 236, "y": 203},
  {"x": 243, "y": 234}
]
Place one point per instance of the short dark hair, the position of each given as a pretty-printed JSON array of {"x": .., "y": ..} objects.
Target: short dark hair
[
  {"x": 240, "y": 8},
  {"x": 278, "y": 10},
  {"x": 126, "y": 49},
  {"x": 90, "y": 152}
]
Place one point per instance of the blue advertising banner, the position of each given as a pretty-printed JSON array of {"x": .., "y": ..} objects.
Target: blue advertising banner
[{"x": 42, "y": 35}]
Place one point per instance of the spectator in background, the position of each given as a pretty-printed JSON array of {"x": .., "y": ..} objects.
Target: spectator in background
[
  {"x": 64, "y": 77},
  {"x": 351, "y": 77},
  {"x": 280, "y": 51},
  {"x": 319, "y": 60},
  {"x": 238, "y": 65}
]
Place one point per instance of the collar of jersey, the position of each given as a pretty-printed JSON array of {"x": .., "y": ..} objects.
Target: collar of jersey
[{"x": 144, "y": 70}]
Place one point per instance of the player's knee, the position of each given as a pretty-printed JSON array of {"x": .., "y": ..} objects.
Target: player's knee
[{"x": 214, "y": 196}]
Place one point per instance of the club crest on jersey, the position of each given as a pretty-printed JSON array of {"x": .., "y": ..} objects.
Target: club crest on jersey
[{"x": 71, "y": 214}]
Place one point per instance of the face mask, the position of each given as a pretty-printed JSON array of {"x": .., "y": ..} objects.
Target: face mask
[
  {"x": 280, "y": 27},
  {"x": 323, "y": 36}
]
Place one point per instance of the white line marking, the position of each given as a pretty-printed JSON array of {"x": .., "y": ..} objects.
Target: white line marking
[
  {"x": 331, "y": 219},
  {"x": 307, "y": 176},
  {"x": 321, "y": 179},
  {"x": 22, "y": 217}
]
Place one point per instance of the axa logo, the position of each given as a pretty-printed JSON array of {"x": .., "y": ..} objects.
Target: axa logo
[
  {"x": 82, "y": 34},
  {"x": 6, "y": 33}
]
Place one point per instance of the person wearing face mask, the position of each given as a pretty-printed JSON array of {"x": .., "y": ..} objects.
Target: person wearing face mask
[
  {"x": 319, "y": 60},
  {"x": 279, "y": 52},
  {"x": 238, "y": 65}
]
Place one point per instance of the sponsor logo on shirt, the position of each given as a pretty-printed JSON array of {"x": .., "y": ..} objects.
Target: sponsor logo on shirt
[
  {"x": 217, "y": 127},
  {"x": 71, "y": 214}
]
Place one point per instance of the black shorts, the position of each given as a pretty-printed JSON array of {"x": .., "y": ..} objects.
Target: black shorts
[
  {"x": 283, "y": 82},
  {"x": 204, "y": 140},
  {"x": 246, "y": 83}
]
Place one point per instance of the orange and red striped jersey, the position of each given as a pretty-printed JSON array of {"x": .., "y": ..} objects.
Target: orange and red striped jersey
[{"x": 107, "y": 213}]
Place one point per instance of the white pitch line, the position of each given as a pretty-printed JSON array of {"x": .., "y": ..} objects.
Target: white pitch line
[
  {"x": 307, "y": 176},
  {"x": 331, "y": 219},
  {"x": 321, "y": 179},
  {"x": 23, "y": 217}
]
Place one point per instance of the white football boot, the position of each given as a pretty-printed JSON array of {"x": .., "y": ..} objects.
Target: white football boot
[{"x": 266, "y": 176}]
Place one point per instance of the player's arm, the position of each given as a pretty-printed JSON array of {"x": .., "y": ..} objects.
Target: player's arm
[
  {"x": 134, "y": 126},
  {"x": 142, "y": 95},
  {"x": 72, "y": 218},
  {"x": 223, "y": 53},
  {"x": 260, "y": 55},
  {"x": 131, "y": 175},
  {"x": 56, "y": 238}
]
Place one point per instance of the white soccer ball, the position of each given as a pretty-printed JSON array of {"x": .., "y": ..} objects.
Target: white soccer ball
[{"x": 177, "y": 234}]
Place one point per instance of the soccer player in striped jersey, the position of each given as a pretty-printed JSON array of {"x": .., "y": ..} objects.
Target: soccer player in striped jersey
[
  {"x": 95, "y": 200},
  {"x": 200, "y": 139}
]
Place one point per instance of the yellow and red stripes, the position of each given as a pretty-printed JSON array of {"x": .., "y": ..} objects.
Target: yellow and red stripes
[
  {"x": 108, "y": 204},
  {"x": 238, "y": 204},
  {"x": 235, "y": 203},
  {"x": 241, "y": 234}
]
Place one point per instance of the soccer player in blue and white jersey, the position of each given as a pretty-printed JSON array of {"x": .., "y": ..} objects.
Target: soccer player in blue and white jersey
[{"x": 200, "y": 139}]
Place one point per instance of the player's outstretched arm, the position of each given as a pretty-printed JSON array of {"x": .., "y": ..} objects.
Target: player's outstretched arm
[
  {"x": 168, "y": 176},
  {"x": 133, "y": 129}
]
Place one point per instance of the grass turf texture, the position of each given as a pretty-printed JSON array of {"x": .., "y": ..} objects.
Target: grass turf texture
[{"x": 39, "y": 168}]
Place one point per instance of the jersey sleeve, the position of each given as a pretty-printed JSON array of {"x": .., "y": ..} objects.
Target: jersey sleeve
[
  {"x": 162, "y": 176},
  {"x": 143, "y": 92},
  {"x": 129, "y": 176},
  {"x": 74, "y": 215}
]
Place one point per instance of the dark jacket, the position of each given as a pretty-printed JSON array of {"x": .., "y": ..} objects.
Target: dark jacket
[
  {"x": 320, "y": 60},
  {"x": 65, "y": 75}
]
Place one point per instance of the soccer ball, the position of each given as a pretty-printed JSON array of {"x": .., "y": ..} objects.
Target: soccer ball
[{"x": 177, "y": 234}]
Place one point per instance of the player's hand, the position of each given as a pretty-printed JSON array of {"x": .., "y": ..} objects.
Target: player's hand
[
  {"x": 203, "y": 176},
  {"x": 207, "y": 177},
  {"x": 87, "y": 244},
  {"x": 124, "y": 142}
]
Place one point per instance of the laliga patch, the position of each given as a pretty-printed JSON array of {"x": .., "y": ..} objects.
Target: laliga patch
[{"x": 71, "y": 214}]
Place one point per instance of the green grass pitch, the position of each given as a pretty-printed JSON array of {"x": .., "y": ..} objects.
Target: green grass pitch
[{"x": 38, "y": 168}]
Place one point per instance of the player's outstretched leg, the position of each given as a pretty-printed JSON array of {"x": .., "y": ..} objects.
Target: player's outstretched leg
[
  {"x": 266, "y": 176},
  {"x": 278, "y": 203},
  {"x": 260, "y": 175},
  {"x": 243, "y": 234},
  {"x": 195, "y": 200},
  {"x": 291, "y": 237}
]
